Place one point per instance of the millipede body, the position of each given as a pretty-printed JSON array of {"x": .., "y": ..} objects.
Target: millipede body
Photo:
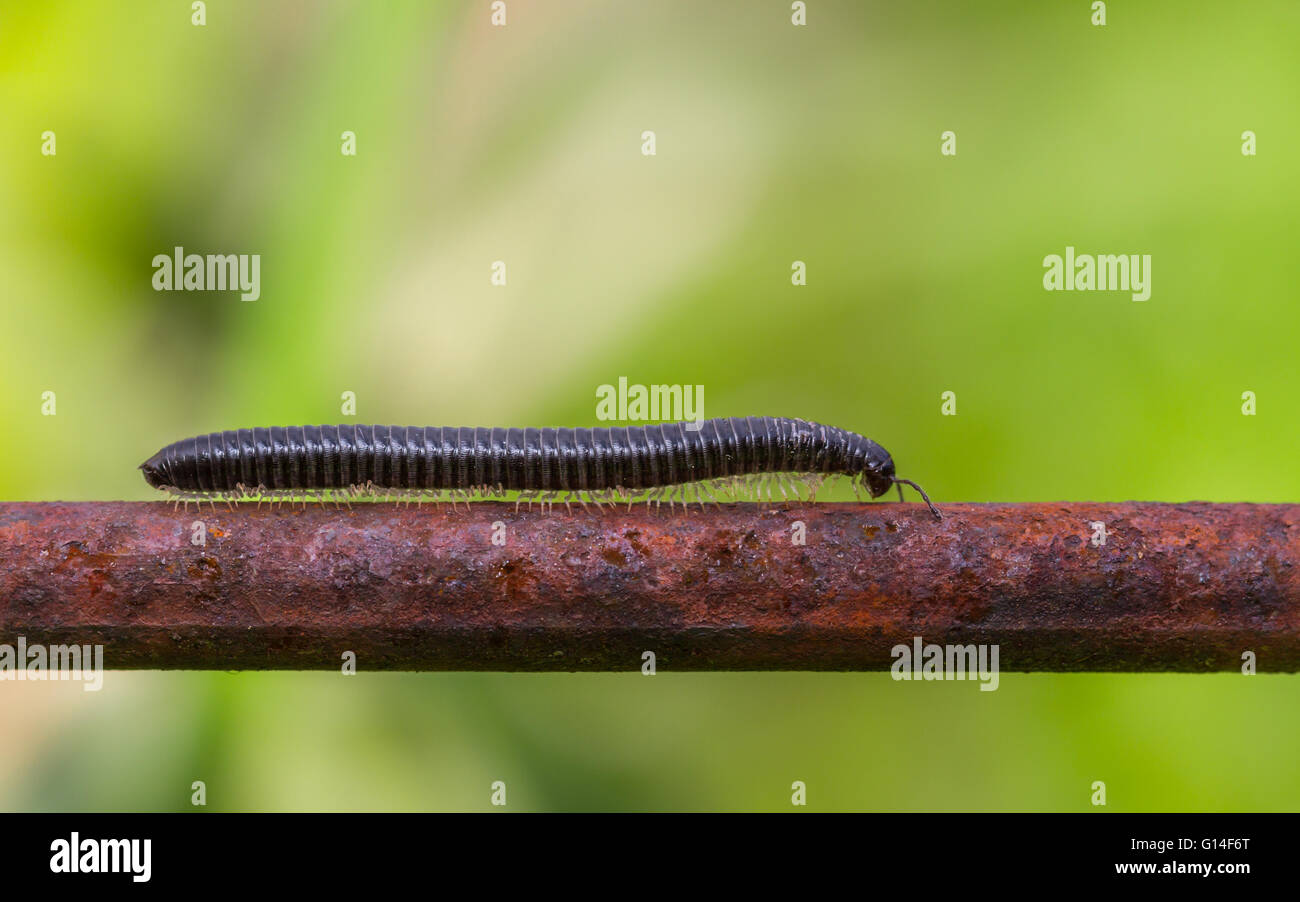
[{"x": 657, "y": 463}]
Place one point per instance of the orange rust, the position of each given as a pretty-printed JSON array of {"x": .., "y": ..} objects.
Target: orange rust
[{"x": 1174, "y": 587}]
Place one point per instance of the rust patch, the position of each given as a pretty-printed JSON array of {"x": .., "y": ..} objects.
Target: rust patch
[{"x": 1176, "y": 587}]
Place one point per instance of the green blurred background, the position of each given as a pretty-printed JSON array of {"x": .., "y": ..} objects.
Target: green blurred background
[{"x": 775, "y": 143}]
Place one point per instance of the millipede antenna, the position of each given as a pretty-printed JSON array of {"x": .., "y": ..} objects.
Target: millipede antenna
[{"x": 902, "y": 482}]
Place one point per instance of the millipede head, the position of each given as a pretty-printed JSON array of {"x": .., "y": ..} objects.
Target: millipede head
[
  {"x": 157, "y": 473},
  {"x": 876, "y": 469}
]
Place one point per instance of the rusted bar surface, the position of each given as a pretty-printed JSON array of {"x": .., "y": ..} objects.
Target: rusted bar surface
[{"x": 1174, "y": 587}]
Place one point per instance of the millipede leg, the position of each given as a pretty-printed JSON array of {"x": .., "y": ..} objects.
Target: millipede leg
[{"x": 712, "y": 497}]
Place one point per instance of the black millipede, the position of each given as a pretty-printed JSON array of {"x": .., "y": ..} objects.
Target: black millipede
[{"x": 734, "y": 456}]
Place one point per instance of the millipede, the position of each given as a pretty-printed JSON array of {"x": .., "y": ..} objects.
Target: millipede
[{"x": 692, "y": 462}]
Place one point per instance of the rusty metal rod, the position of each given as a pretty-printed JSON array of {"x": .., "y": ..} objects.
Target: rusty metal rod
[{"x": 1174, "y": 587}]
